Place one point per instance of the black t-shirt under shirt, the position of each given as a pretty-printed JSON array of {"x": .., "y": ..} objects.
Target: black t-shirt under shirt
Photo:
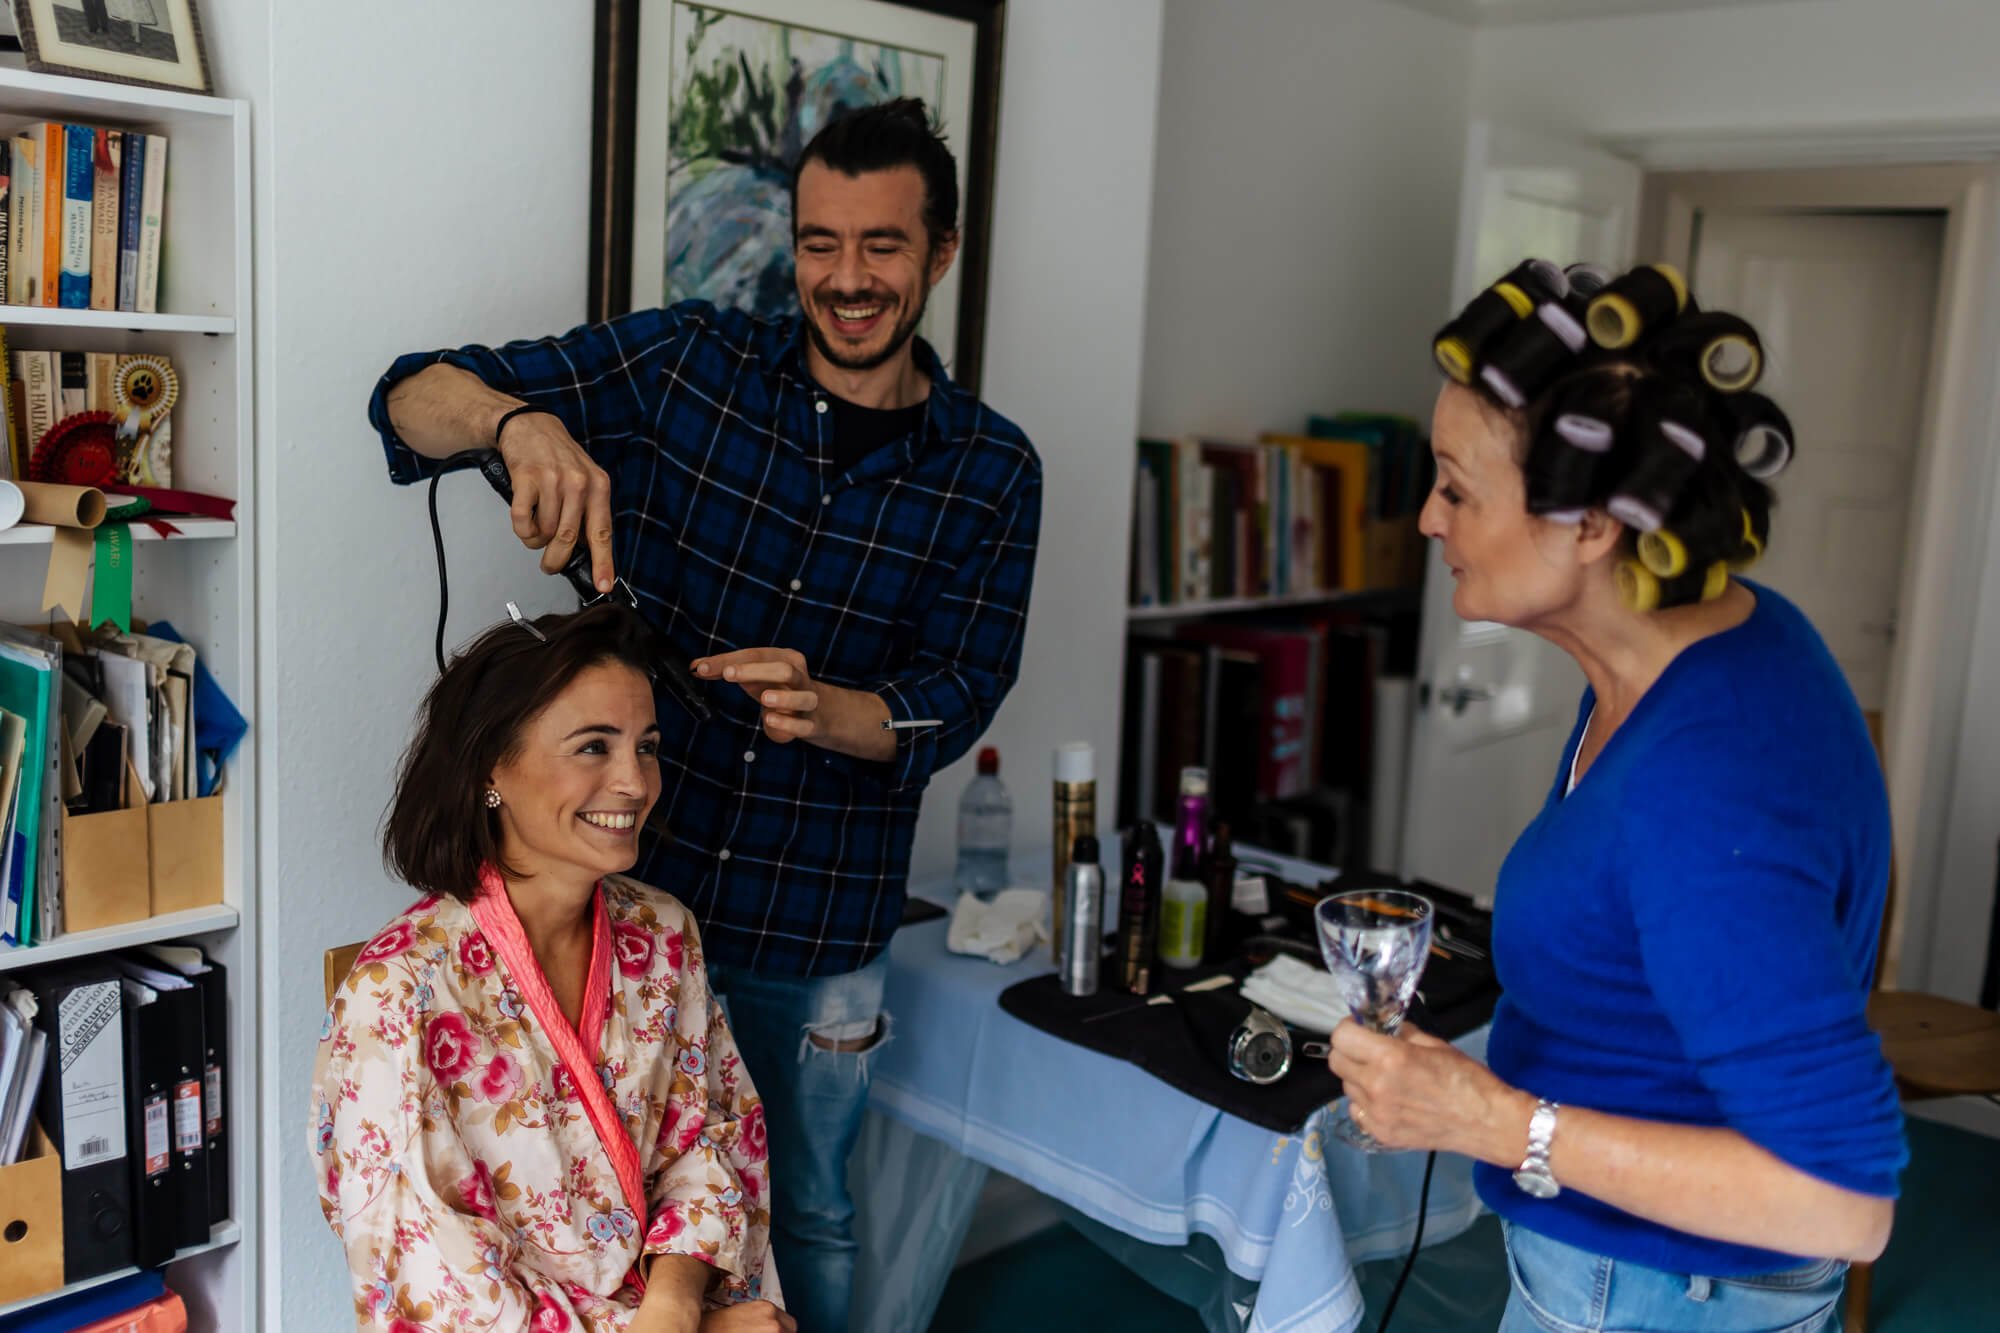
[{"x": 859, "y": 431}]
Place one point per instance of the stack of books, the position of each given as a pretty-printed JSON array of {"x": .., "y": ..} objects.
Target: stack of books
[
  {"x": 1332, "y": 510},
  {"x": 80, "y": 217}
]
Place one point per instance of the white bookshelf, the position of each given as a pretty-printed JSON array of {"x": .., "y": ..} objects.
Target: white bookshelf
[
  {"x": 202, "y": 579},
  {"x": 190, "y": 529}
]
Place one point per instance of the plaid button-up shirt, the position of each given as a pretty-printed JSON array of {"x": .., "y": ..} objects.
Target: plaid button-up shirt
[{"x": 907, "y": 576}]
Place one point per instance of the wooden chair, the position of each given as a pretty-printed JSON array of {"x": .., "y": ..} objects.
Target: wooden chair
[
  {"x": 1936, "y": 1047},
  {"x": 337, "y": 963}
]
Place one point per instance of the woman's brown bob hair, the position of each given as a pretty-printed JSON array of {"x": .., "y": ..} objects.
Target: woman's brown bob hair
[{"x": 439, "y": 831}]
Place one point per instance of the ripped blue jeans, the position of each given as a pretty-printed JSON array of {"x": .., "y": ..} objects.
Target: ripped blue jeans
[{"x": 808, "y": 1042}]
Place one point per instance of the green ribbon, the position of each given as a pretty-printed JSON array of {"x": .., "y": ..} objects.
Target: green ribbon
[{"x": 111, "y": 587}]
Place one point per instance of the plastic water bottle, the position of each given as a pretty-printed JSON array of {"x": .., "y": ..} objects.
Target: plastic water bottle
[{"x": 985, "y": 828}]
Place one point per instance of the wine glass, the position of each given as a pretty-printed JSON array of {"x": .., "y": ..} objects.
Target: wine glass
[{"x": 1375, "y": 942}]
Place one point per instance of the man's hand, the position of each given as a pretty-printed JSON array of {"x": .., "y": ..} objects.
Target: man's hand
[
  {"x": 749, "y": 1317},
  {"x": 777, "y": 679},
  {"x": 560, "y": 494},
  {"x": 798, "y": 708}
]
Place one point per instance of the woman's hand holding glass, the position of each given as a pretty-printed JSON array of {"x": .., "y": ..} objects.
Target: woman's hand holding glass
[{"x": 1415, "y": 1091}]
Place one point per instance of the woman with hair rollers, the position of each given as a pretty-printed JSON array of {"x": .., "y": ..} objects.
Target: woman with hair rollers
[{"x": 1686, "y": 1123}]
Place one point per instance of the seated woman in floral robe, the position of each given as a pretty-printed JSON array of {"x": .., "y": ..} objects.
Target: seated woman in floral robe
[{"x": 528, "y": 1111}]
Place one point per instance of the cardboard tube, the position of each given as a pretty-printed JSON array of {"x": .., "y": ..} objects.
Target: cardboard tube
[
  {"x": 63, "y": 506},
  {"x": 12, "y": 505}
]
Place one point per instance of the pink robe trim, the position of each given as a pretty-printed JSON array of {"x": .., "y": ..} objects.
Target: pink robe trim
[{"x": 579, "y": 1049}]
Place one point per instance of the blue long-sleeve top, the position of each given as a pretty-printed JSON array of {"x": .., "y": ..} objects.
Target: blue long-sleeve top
[{"x": 1689, "y": 935}]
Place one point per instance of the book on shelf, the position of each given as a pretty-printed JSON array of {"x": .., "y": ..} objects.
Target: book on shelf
[
  {"x": 131, "y": 196},
  {"x": 78, "y": 206},
  {"x": 152, "y": 207},
  {"x": 24, "y": 245},
  {"x": 107, "y": 162},
  {"x": 1282, "y": 516}
]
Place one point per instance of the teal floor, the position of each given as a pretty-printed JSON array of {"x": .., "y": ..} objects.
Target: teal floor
[{"x": 1941, "y": 1274}]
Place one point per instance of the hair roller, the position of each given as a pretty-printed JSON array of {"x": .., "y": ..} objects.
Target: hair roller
[
  {"x": 1571, "y": 453},
  {"x": 1530, "y": 356},
  {"x": 1763, "y": 435},
  {"x": 1642, "y": 300},
  {"x": 1661, "y": 552},
  {"x": 1638, "y": 587},
  {"x": 1715, "y": 582},
  {"x": 1587, "y": 280},
  {"x": 1751, "y": 549},
  {"x": 1724, "y": 350},
  {"x": 1460, "y": 345},
  {"x": 1669, "y": 452}
]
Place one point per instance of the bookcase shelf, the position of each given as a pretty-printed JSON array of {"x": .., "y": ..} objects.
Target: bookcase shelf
[
  {"x": 190, "y": 529},
  {"x": 55, "y": 317},
  {"x": 153, "y": 930},
  {"x": 1225, "y": 605},
  {"x": 221, "y": 1237},
  {"x": 203, "y": 580}
]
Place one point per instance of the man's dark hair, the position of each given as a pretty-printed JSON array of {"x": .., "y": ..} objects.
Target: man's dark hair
[
  {"x": 439, "y": 831},
  {"x": 882, "y": 137}
]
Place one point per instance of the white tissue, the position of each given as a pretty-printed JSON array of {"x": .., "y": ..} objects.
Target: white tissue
[
  {"x": 1003, "y": 929},
  {"x": 1297, "y": 992}
]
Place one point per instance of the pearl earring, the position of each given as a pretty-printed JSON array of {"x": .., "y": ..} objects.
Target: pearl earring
[{"x": 492, "y": 799}]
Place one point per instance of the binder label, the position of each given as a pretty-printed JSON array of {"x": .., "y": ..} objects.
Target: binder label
[
  {"x": 93, "y": 1081},
  {"x": 211, "y": 1100},
  {"x": 187, "y": 1116},
  {"x": 156, "y": 1134}
]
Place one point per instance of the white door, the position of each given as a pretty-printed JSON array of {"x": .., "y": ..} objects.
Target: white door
[
  {"x": 1844, "y": 303},
  {"x": 1494, "y": 705}
]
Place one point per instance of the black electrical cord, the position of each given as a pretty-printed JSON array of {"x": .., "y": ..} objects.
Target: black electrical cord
[
  {"x": 464, "y": 458},
  {"x": 1423, "y": 1205}
]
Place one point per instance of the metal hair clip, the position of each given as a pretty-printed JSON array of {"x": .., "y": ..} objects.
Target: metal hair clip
[
  {"x": 514, "y": 614},
  {"x": 621, "y": 592}
]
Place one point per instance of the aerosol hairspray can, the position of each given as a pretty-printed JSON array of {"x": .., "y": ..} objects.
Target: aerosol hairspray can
[
  {"x": 1083, "y": 919},
  {"x": 1139, "y": 909},
  {"x": 1075, "y": 816}
]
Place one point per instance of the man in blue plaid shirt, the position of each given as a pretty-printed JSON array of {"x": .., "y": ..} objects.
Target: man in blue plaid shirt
[{"x": 839, "y": 538}]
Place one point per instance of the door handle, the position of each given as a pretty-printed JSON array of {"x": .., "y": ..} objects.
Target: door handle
[{"x": 1458, "y": 697}]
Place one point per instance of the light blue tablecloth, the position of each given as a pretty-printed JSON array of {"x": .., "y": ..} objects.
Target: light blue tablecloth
[{"x": 1291, "y": 1213}]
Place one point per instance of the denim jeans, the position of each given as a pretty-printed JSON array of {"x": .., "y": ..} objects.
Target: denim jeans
[
  {"x": 813, "y": 1102},
  {"x": 1561, "y": 1289}
]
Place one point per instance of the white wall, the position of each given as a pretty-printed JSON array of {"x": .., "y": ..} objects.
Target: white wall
[
  {"x": 1764, "y": 67},
  {"x": 1305, "y": 209},
  {"x": 414, "y": 202},
  {"x": 1064, "y": 322},
  {"x": 1870, "y": 70},
  {"x": 409, "y": 201}
]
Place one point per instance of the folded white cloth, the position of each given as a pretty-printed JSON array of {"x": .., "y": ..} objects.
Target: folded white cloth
[
  {"x": 1296, "y": 991},
  {"x": 1003, "y": 929}
]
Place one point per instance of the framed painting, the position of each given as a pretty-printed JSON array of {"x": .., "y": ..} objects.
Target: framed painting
[
  {"x": 702, "y": 111},
  {"x": 156, "y": 43}
]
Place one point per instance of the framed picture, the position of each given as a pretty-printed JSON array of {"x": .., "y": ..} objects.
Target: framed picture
[
  {"x": 152, "y": 42},
  {"x": 703, "y": 109}
]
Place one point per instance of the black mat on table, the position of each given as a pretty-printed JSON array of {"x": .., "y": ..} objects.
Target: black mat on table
[{"x": 1185, "y": 1043}]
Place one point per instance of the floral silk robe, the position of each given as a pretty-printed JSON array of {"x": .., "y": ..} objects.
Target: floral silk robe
[{"x": 458, "y": 1163}]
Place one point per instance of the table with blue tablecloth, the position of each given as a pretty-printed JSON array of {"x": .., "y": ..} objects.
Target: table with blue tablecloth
[{"x": 963, "y": 1087}]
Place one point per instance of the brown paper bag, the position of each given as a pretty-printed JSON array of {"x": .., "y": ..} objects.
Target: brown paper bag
[
  {"x": 31, "y": 1248},
  {"x": 186, "y": 838}
]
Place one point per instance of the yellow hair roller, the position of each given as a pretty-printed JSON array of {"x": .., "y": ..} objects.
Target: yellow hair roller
[
  {"x": 1638, "y": 588},
  {"x": 1715, "y": 582},
  {"x": 1663, "y": 554}
]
